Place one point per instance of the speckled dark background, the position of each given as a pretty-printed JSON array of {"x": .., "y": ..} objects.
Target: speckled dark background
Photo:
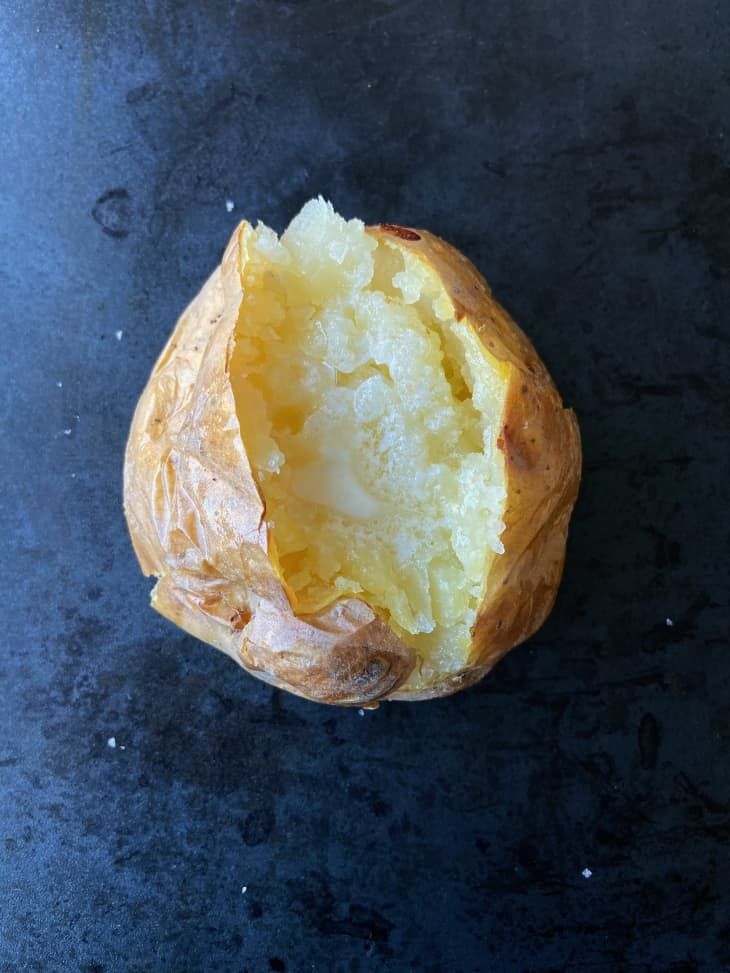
[{"x": 578, "y": 153}]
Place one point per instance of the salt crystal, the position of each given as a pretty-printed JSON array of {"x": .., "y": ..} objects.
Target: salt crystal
[
  {"x": 586, "y": 873},
  {"x": 59, "y": 385},
  {"x": 669, "y": 622},
  {"x": 118, "y": 335},
  {"x": 112, "y": 742},
  {"x": 361, "y": 712},
  {"x": 244, "y": 889},
  {"x": 67, "y": 432},
  {"x": 229, "y": 205}
]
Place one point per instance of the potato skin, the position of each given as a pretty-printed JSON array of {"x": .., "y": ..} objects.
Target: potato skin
[{"x": 197, "y": 519}]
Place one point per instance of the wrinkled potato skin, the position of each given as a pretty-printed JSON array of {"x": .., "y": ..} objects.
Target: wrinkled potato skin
[{"x": 197, "y": 519}]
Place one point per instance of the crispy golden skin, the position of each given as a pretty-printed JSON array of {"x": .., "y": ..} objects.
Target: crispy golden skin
[{"x": 197, "y": 519}]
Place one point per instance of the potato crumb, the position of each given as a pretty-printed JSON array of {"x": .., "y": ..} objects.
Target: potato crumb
[{"x": 368, "y": 414}]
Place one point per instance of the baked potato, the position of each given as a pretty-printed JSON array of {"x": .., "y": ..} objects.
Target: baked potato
[{"x": 350, "y": 470}]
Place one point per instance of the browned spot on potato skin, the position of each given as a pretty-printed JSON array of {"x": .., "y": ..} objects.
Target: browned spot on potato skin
[
  {"x": 400, "y": 231},
  {"x": 374, "y": 670},
  {"x": 239, "y": 620},
  {"x": 514, "y": 450}
]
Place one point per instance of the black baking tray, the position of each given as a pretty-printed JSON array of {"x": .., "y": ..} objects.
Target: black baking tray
[{"x": 160, "y": 809}]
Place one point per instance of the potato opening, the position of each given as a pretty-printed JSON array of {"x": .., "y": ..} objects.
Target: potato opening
[{"x": 370, "y": 417}]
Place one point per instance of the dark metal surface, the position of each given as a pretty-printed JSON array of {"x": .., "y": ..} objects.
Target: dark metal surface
[{"x": 578, "y": 153}]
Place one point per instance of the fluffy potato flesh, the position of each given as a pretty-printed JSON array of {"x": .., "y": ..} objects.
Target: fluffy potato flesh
[{"x": 370, "y": 416}]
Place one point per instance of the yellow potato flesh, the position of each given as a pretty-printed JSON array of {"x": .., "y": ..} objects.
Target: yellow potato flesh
[{"x": 370, "y": 417}]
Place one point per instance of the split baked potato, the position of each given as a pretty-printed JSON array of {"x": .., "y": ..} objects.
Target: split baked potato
[{"x": 349, "y": 469}]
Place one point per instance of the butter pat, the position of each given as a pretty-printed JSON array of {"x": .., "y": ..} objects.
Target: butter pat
[{"x": 331, "y": 482}]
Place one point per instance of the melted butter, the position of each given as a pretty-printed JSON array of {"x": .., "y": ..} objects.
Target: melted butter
[{"x": 331, "y": 482}]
